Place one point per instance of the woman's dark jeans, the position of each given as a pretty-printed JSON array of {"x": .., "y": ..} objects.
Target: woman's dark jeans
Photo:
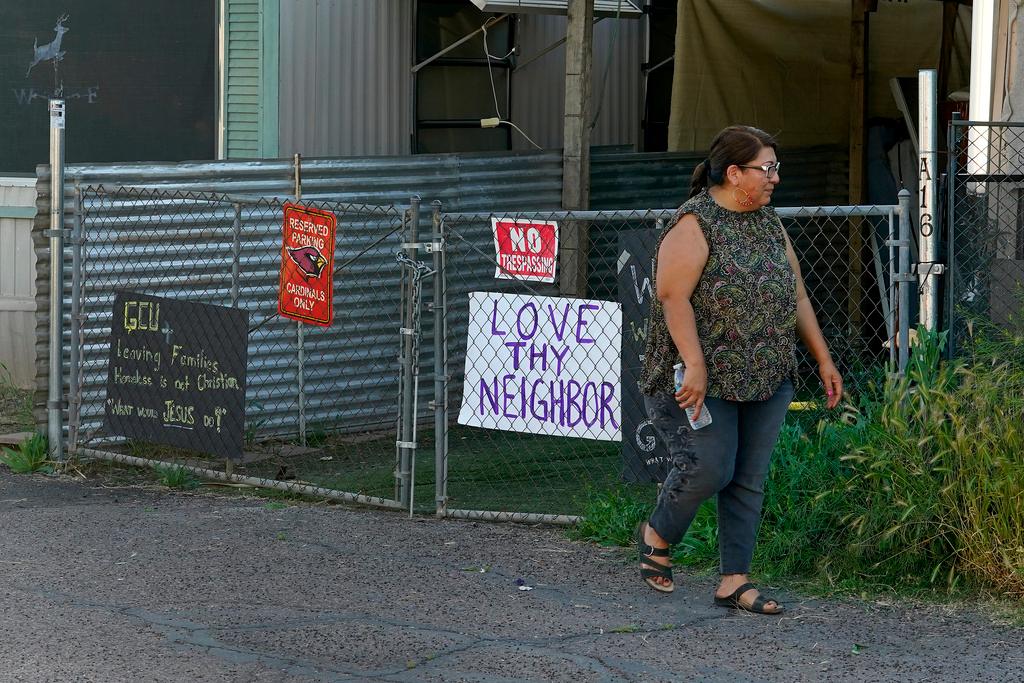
[{"x": 729, "y": 457}]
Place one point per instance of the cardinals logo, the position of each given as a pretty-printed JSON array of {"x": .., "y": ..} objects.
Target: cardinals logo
[{"x": 308, "y": 259}]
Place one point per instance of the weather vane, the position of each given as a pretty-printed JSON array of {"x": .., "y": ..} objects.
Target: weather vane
[{"x": 51, "y": 51}]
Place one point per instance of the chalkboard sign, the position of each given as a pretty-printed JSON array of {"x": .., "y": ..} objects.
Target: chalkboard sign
[
  {"x": 644, "y": 457},
  {"x": 177, "y": 373}
]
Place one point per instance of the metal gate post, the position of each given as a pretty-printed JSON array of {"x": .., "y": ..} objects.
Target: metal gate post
[
  {"x": 928, "y": 270},
  {"x": 953, "y": 147},
  {"x": 440, "y": 304},
  {"x": 236, "y": 253},
  {"x": 407, "y": 438},
  {"x": 55, "y": 402},
  {"x": 904, "y": 279},
  {"x": 300, "y": 329},
  {"x": 74, "y": 385}
]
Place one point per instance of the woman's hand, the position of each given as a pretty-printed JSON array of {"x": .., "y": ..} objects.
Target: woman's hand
[
  {"x": 695, "y": 386},
  {"x": 833, "y": 383}
]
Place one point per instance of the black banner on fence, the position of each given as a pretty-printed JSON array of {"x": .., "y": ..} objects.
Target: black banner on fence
[
  {"x": 177, "y": 373},
  {"x": 644, "y": 457}
]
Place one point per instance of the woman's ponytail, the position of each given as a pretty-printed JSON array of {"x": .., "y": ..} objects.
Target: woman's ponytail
[{"x": 701, "y": 177}]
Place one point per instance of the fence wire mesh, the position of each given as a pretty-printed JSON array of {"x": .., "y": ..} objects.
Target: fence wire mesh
[
  {"x": 534, "y": 400},
  {"x": 986, "y": 233},
  {"x": 321, "y": 404},
  {"x": 529, "y": 429}
]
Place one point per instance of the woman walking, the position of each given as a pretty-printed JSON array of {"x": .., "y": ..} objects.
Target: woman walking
[{"x": 730, "y": 303}]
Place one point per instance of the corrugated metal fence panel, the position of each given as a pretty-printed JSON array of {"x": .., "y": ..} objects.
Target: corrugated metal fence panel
[
  {"x": 527, "y": 181},
  {"x": 160, "y": 247},
  {"x": 346, "y": 80},
  {"x": 538, "y": 88},
  {"x": 243, "y": 79},
  {"x": 17, "y": 286},
  {"x": 520, "y": 181},
  {"x": 814, "y": 176}
]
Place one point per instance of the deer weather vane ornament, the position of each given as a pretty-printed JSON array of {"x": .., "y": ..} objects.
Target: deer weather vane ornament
[{"x": 50, "y": 51}]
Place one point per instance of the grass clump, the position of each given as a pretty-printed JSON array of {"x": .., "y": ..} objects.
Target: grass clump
[
  {"x": 941, "y": 475},
  {"x": 31, "y": 456},
  {"x": 916, "y": 484},
  {"x": 176, "y": 477}
]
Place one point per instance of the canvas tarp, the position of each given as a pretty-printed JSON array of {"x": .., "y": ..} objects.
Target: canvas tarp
[{"x": 785, "y": 66}]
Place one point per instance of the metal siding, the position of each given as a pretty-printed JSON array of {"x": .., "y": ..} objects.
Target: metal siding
[
  {"x": 813, "y": 176},
  {"x": 612, "y": 7},
  {"x": 367, "y": 291},
  {"x": 538, "y": 89},
  {"x": 17, "y": 287},
  {"x": 346, "y": 80}
]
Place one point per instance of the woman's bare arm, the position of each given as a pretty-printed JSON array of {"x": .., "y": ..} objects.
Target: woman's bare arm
[
  {"x": 810, "y": 333},
  {"x": 681, "y": 260}
]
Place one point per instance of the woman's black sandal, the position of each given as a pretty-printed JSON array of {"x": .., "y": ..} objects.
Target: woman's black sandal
[
  {"x": 649, "y": 569},
  {"x": 757, "y": 607}
]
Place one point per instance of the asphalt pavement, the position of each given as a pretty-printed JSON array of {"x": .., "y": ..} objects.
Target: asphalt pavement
[{"x": 137, "y": 584}]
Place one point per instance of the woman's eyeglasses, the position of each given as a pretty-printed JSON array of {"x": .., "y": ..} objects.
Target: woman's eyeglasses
[{"x": 770, "y": 169}]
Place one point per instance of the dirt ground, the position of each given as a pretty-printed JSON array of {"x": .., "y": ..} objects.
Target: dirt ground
[{"x": 143, "y": 584}]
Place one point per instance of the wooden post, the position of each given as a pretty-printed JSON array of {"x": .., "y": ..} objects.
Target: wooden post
[
  {"x": 950, "y": 9},
  {"x": 858, "y": 95},
  {"x": 859, "y": 10},
  {"x": 576, "y": 149}
]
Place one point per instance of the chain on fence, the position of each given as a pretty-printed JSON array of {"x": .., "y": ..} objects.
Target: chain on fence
[
  {"x": 986, "y": 234},
  {"x": 179, "y": 355},
  {"x": 536, "y": 416}
]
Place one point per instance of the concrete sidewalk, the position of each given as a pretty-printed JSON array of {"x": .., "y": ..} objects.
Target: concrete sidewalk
[{"x": 131, "y": 584}]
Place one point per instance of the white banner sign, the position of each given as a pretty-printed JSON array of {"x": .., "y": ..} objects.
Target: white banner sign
[{"x": 543, "y": 365}]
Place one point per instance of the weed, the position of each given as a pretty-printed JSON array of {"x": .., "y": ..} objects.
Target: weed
[
  {"x": 254, "y": 421},
  {"x": 275, "y": 505},
  {"x": 913, "y": 486},
  {"x": 31, "y": 456},
  {"x": 626, "y": 628},
  {"x": 611, "y": 515},
  {"x": 176, "y": 477}
]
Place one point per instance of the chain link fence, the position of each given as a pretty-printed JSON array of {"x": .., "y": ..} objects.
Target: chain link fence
[
  {"x": 445, "y": 383},
  {"x": 986, "y": 227},
  {"x": 296, "y": 407},
  {"x": 534, "y": 415}
]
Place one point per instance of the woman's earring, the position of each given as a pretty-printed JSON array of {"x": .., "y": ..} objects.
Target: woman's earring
[{"x": 746, "y": 201}]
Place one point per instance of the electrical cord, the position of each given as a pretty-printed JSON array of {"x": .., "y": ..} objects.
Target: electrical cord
[{"x": 490, "y": 123}]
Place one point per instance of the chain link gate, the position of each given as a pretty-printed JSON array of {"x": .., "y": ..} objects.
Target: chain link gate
[
  {"x": 860, "y": 289},
  {"x": 322, "y": 404},
  {"x": 985, "y": 197}
]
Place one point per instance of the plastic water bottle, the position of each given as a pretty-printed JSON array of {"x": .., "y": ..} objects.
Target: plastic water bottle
[{"x": 705, "y": 414}]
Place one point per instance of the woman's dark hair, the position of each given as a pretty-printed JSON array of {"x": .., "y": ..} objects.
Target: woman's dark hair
[{"x": 733, "y": 145}]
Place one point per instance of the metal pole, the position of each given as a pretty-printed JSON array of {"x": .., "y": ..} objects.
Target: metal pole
[
  {"x": 74, "y": 390},
  {"x": 236, "y": 253},
  {"x": 407, "y": 444},
  {"x": 927, "y": 269},
  {"x": 55, "y": 403},
  {"x": 300, "y": 329},
  {"x": 892, "y": 323},
  {"x": 440, "y": 368},
  {"x": 953, "y": 147},
  {"x": 904, "y": 279}
]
